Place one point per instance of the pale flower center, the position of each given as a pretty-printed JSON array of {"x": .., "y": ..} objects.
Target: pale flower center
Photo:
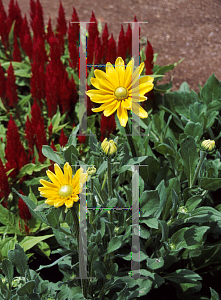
[
  {"x": 120, "y": 93},
  {"x": 65, "y": 190}
]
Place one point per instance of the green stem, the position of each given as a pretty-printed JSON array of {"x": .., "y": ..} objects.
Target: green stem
[
  {"x": 92, "y": 214},
  {"x": 105, "y": 179},
  {"x": 110, "y": 192},
  {"x": 81, "y": 259},
  {"x": 202, "y": 156},
  {"x": 130, "y": 140}
]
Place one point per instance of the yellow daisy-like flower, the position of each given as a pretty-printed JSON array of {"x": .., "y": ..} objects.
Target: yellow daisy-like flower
[
  {"x": 120, "y": 89},
  {"x": 63, "y": 189}
]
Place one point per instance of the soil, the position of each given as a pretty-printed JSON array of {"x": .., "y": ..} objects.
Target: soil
[{"x": 176, "y": 29}]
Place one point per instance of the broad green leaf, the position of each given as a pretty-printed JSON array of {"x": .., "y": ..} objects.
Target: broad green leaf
[
  {"x": 163, "y": 198},
  {"x": 53, "y": 218},
  {"x": 193, "y": 202},
  {"x": 150, "y": 222},
  {"x": 211, "y": 183},
  {"x": 19, "y": 259},
  {"x": 30, "y": 241},
  {"x": 132, "y": 161},
  {"x": 181, "y": 102},
  {"x": 163, "y": 148},
  {"x": 99, "y": 269},
  {"x": 183, "y": 275},
  {"x": 149, "y": 203},
  {"x": 155, "y": 263},
  {"x": 211, "y": 90},
  {"x": 6, "y": 217},
  {"x": 188, "y": 151},
  {"x": 115, "y": 243},
  {"x": 194, "y": 129},
  {"x": 184, "y": 87},
  {"x": 214, "y": 294},
  {"x": 48, "y": 152},
  {"x": 8, "y": 270},
  {"x": 27, "y": 288}
]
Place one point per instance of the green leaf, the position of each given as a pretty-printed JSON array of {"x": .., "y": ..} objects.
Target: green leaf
[
  {"x": 188, "y": 151},
  {"x": 210, "y": 183},
  {"x": 155, "y": 263},
  {"x": 30, "y": 241},
  {"x": 181, "y": 102},
  {"x": 6, "y": 217},
  {"x": 163, "y": 148},
  {"x": 183, "y": 275},
  {"x": 73, "y": 137},
  {"x": 68, "y": 154},
  {"x": 194, "y": 129},
  {"x": 8, "y": 270},
  {"x": 11, "y": 34},
  {"x": 193, "y": 202},
  {"x": 48, "y": 152},
  {"x": 19, "y": 259},
  {"x": 149, "y": 203},
  {"x": 163, "y": 198},
  {"x": 184, "y": 87},
  {"x": 115, "y": 243},
  {"x": 132, "y": 161},
  {"x": 27, "y": 288},
  {"x": 211, "y": 90},
  {"x": 24, "y": 100},
  {"x": 214, "y": 294},
  {"x": 99, "y": 269},
  {"x": 150, "y": 222}
]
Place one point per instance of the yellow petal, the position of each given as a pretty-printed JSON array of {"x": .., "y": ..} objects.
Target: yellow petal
[
  {"x": 139, "y": 111},
  {"x": 76, "y": 178},
  {"x": 102, "y": 99},
  {"x": 105, "y": 85},
  {"x": 120, "y": 68},
  {"x": 67, "y": 173},
  {"x": 53, "y": 178},
  {"x": 126, "y": 103},
  {"x": 98, "y": 92},
  {"x": 146, "y": 78},
  {"x": 102, "y": 75},
  {"x": 136, "y": 75},
  {"x": 59, "y": 203},
  {"x": 69, "y": 203},
  {"x": 111, "y": 109},
  {"x": 75, "y": 198},
  {"x": 48, "y": 190},
  {"x": 95, "y": 82},
  {"x": 141, "y": 89},
  {"x": 105, "y": 106},
  {"x": 128, "y": 74},
  {"x": 112, "y": 74},
  {"x": 47, "y": 184},
  {"x": 59, "y": 174},
  {"x": 122, "y": 115},
  {"x": 50, "y": 202}
]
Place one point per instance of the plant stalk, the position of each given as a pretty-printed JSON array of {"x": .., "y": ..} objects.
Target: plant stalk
[
  {"x": 130, "y": 140},
  {"x": 202, "y": 156}
]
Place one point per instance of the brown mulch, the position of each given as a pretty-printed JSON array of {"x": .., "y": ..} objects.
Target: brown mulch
[{"x": 176, "y": 29}]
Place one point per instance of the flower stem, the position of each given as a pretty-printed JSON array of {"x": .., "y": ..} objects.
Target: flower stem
[
  {"x": 130, "y": 140},
  {"x": 110, "y": 192},
  {"x": 202, "y": 156},
  {"x": 81, "y": 259}
]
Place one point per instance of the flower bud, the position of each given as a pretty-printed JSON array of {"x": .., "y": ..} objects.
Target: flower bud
[
  {"x": 91, "y": 171},
  {"x": 208, "y": 145},
  {"x": 109, "y": 148},
  {"x": 183, "y": 209}
]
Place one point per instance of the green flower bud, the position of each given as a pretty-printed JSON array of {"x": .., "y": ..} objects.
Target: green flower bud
[
  {"x": 109, "y": 148},
  {"x": 208, "y": 145},
  {"x": 183, "y": 209},
  {"x": 91, "y": 171},
  {"x": 172, "y": 246}
]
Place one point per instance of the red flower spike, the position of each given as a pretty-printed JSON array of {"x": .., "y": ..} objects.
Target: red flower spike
[
  {"x": 11, "y": 89},
  {"x": 41, "y": 140},
  {"x": 50, "y": 32},
  {"x": 121, "y": 50},
  {"x": 16, "y": 52},
  {"x": 14, "y": 149},
  {"x": 92, "y": 32},
  {"x": 3, "y": 86},
  {"x": 65, "y": 93},
  {"x": 107, "y": 126},
  {"x": 63, "y": 139},
  {"x": 25, "y": 38},
  {"x": 32, "y": 11},
  {"x": 38, "y": 82},
  {"x": 37, "y": 20},
  {"x": 4, "y": 186},
  {"x": 111, "y": 51},
  {"x": 97, "y": 51},
  {"x": 82, "y": 139},
  {"x": 23, "y": 209},
  {"x": 62, "y": 26},
  {"x": 128, "y": 40},
  {"x": 89, "y": 104},
  {"x": 4, "y": 26},
  {"x": 51, "y": 89},
  {"x": 53, "y": 147},
  {"x": 149, "y": 59},
  {"x": 104, "y": 47},
  {"x": 74, "y": 28},
  {"x": 39, "y": 53},
  {"x": 30, "y": 136},
  {"x": 14, "y": 14},
  {"x": 50, "y": 128}
]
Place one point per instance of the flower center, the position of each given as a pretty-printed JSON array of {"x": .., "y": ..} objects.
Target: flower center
[
  {"x": 120, "y": 93},
  {"x": 65, "y": 190}
]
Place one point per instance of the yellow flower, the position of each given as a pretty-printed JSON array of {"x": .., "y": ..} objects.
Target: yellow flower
[
  {"x": 64, "y": 189},
  {"x": 118, "y": 88},
  {"x": 208, "y": 145}
]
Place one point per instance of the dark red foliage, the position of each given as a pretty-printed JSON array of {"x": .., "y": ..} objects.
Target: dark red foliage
[
  {"x": 39, "y": 52},
  {"x": 11, "y": 89},
  {"x": 14, "y": 14},
  {"x": 23, "y": 209},
  {"x": 37, "y": 20},
  {"x": 73, "y": 40},
  {"x": 107, "y": 126},
  {"x": 61, "y": 28},
  {"x": 4, "y": 27},
  {"x": 63, "y": 139},
  {"x": 50, "y": 32},
  {"x": 38, "y": 82},
  {"x": 14, "y": 153},
  {"x": 82, "y": 139},
  {"x": 111, "y": 51},
  {"x": 149, "y": 59},
  {"x": 2, "y": 86},
  {"x": 4, "y": 186},
  {"x": 16, "y": 52},
  {"x": 93, "y": 33},
  {"x": 25, "y": 38},
  {"x": 50, "y": 128},
  {"x": 128, "y": 40},
  {"x": 97, "y": 51},
  {"x": 121, "y": 49},
  {"x": 104, "y": 47}
]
